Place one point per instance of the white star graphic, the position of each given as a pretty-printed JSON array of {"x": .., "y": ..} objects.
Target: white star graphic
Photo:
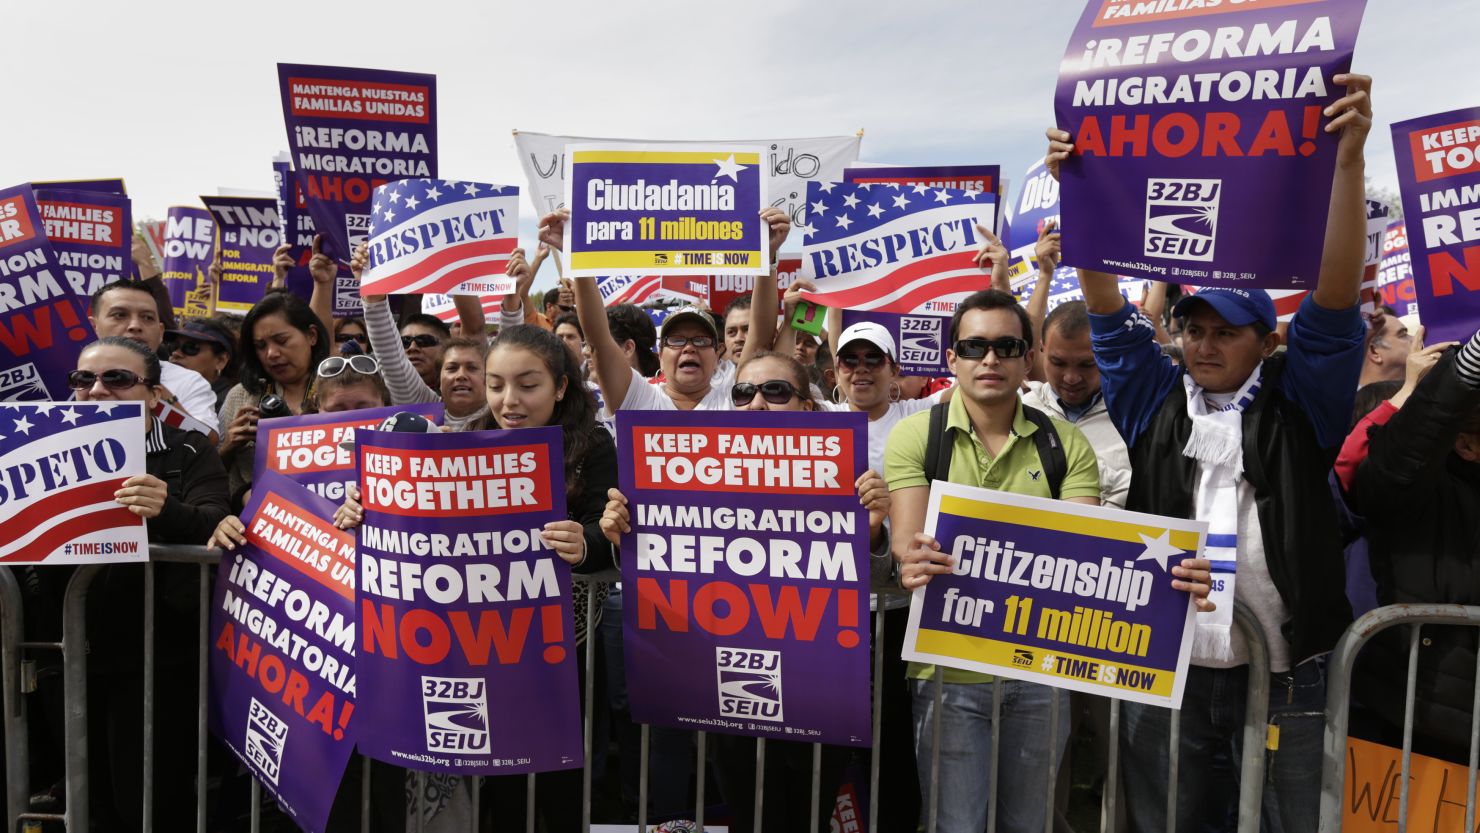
[
  {"x": 412, "y": 202},
  {"x": 433, "y": 194},
  {"x": 1158, "y": 549},
  {"x": 470, "y": 189},
  {"x": 70, "y": 416},
  {"x": 105, "y": 407},
  {"x": 45, "y": 407},
  {"x": 920, "y": 189},
  {"x": 820, "y": 207},
  {"x": 389, "y": 215},
  {"x": 375, "y": 207},
  {"x": 900, "y": 202},
  {"x": 843, "y": 221},
  {"x": 942, "y": 196},
  {"x": 806, "y": 230},
  {"x": 826, "y": 187},
  {"x": 727, "y": 167},
  {"x": 24, "y": 425},
  {"x": 393, "y": 195},
  {"x": 851, "y": 200},
  {"x": 864, "y": 186},
  {"x": 894, "y": 185},
  {"x": 875, "y": 210},
  {"x": 451, "y": 184},
  {"x": 972, "y": 195}
]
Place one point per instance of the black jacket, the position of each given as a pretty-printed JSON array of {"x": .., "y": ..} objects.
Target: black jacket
[
  {"x": 1422, "y": 506},
  {"x": 598, "y": 474},
  {"x": 1287, "y": 467},
  {"x": 197, "y": 500}
]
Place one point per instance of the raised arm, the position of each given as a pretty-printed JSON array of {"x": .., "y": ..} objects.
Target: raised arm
[
  {"x": 763, "y": 297},
  {"x": 323, "y": 269},
  {"x": 1046, "y": 253},
  {"x": 613, "y": 372},
  {"x": 1101, "y": 291},
  {"x": 992, "y": 257},
  {"x": 1155, "y": 307},
  {"x": 401, "y": 379},
  {"x": 1340, "y": 281}
]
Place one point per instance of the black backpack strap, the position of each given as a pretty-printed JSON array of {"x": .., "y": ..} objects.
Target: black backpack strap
[
  {"x": 938, "y": 445},
  {"x": 1050, "y": 449}
]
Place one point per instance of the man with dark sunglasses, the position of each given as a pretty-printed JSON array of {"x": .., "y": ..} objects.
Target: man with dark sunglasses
[{"x": 991, "y": 445}]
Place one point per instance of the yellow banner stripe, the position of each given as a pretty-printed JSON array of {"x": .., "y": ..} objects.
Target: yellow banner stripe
[
  {"x": 654, "y": 157},
  {"x": 1000, "y": 654},
  {"x": 627, "y": 261},
  {"x": 1042, "y": 519}
]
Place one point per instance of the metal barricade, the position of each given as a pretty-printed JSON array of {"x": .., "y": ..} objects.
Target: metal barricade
[{"x": 1338, "y": 704}]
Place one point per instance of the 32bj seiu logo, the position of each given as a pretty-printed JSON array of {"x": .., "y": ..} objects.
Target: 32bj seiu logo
[
  {"x": 456, "y": 711},
  {"x": 266, "y": 735},
  {"x": 1182, "y": 217},
  {"x": 749, "y": 683}
]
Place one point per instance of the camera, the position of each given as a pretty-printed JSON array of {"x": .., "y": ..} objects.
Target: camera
[{"x": 272, "y": 406}]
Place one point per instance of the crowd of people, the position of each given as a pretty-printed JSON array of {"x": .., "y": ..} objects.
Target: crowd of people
[{"x": 1335, "y": 459}]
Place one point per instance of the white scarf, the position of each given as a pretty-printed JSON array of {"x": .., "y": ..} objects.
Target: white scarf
[{"x": 1217, "y": 444}]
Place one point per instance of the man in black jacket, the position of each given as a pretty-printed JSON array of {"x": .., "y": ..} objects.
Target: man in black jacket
[{"x": 1419, "y": 489}]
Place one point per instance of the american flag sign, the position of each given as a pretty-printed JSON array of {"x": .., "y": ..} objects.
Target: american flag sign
[
  {"x": 60, "y": 465},
  {"x": 628, "y": 289},
  {"x": 1064, "y": 287},
  {"x": 893, "y": 248},
  {"x": 441, "y": 236}
]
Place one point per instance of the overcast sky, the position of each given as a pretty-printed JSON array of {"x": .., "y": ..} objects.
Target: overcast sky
[{"x": 181, "y": 98}]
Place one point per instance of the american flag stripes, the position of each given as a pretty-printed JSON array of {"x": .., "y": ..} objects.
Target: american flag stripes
[{"x": 441, "y": 236}]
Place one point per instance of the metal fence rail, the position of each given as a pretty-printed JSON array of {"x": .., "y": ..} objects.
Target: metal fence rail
[
  {"x": 73, "y": 647},
  {"x": 1338, "y": 703}
]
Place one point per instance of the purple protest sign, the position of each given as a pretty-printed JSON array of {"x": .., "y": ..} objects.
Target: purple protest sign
[
  {"x": 1438, "y": 174},
  {"x": 1200, "y": 155},
  {"x": 466, "y": 645},
  {"x": 247, "y": 233},
  {"x": 43, "y": 325},
  {"x": 296, "y": 226},
  {"x": 1072, "y": 596},
  {"x": 283, "y": 649},
  {"x": 189, "y": 247},
  {"x": 1395, "y": 273},
  {"x": 920, "y": 339},
  {"x": 317, "y": 450},
  {"x": 92, "y": 235},
  {"x": 351, "y": 130},
  {"x": 94, "y": 186},
  {"x": 666, "y": 210},
  {"x": 748, "y": 555}
]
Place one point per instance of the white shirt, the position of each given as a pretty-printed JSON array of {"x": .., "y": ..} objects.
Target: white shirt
[
  {"x": 878, "y": 429},
  {"x": 643, "y": 396},
  {"x": 1110, "y": 451},
  {"x": 193, "y": 391}
]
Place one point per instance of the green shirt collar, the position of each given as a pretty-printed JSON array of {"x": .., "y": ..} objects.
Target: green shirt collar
[{"x": 957, "y": 418}]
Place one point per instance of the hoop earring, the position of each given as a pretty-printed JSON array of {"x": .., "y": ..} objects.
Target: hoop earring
[
  {"x": 837, "y": 395},
  {"x": 895, "y": 392}
]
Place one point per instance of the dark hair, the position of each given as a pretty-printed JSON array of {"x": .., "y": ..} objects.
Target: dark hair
[
  {"x": 799, "y": 375},
  {"x": 824, "y": 358},
  {"x": 738, "y": 302},
  {"x": 96, "y": 299},
  {"x": 629, "y": 323},
  {"x": 1172, "y": 352},
  {"x": 571, "y": 319},
  {"x": 341, "y": 323},
  {"x": 552, "y": 297},
  {"x": 1071, "y": 318},
  {"x": 1370, "y": 396},
  {"x": 151, "y": 361},
  {"x": 575, "y": 412},
  {"x": 348, "y": 378},
  {"x": 992, "y": 299},
  {"x": 218, "y": 328},
  {"x": 299, "y": 316},
  {"x": 428, "y": 321},
  {"x": 478, "y": 345}
]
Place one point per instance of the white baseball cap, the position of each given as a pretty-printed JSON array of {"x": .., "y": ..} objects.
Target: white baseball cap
[{"x": 872, "y": 333}]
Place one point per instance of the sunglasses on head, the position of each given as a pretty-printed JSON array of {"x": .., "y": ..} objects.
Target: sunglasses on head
[
  {"x": 1005, "y": 347},
  {"x": 776, "y": 392},
  {"x": 680, "y": 342},
  {"x": 872, "y": 360},
  {"x": 424, "y": 341},
  {"x": 112, "y": 379},
  {"x": 344, "y": 338},
  {"x": 335, "y": 365}
]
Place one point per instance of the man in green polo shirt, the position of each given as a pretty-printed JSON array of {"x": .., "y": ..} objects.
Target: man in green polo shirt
[{"x": 992, "y": 446}]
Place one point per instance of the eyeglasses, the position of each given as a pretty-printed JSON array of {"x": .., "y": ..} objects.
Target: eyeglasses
[
  {"x": 425, "y": 341},
  {"x": 873, "y": 361},
  {"x": 679, "y": 342},
  {"x": 344, "y": 338},
  {"x": 112, "y": 379},
  {"x": 187, "y": 347},
  {"x": 776, "y": 392},
  {"x": 335, "y": 365},
  {"x": 1005, "y": 347}
]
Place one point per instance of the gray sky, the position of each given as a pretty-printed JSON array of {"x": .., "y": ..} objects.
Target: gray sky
[{"x": 193, "y": 104}]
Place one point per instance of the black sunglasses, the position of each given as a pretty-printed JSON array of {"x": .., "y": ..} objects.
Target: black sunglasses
[
  {"x": 1005, "y": 347},
  {"x": 344, "y": 338},
  {"x": 187, "y": 347},
  {"x": 776, "y": 392},
  {"x": 679, "y": 342},
  {"x": 112, "y": 379},
  {"x": 873, "y": 361},
  {"x": 424, "y": 341}
]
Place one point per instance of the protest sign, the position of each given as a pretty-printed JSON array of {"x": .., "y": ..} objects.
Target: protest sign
[
  {"x": 789, "y": 164},
  {"x": 749, "y": 555},
  {"x": 91, "y": 234},
  {"x": 189, "y": 248},
  {"x": 1395, "y": 274},
  {"x": 152, "y": 233},
  {"x": 43, "y": 325},
  {"x": 1371, "y": 800},
  {"x": 351, "y": 130},
  {"x": 443, "y": 309},
  {"x": 248, "y": 231},
  {"x": 297, "y": 230},
  {"x": 434, "y": 235},
  {"x": 95, "y": 186},
  {"x": 1031, "y": 212},
  {"x": 283, "y": 649},
  {"x": 725, "y": 288},
  {"x": 980, "y": 178},
  {"x": 889, "y": 248},
  {"x": 666, "y": 210},
  {"x": 920, "y": 339},
  {"x": 1377, "y": 222},
  {"x": 1064, "y": 287},
  {"x": 1439, "y": 177},
  {"x": 61, "y": 465},
  {"x": 315, "y": 450},
  {"x": 1058, "y": 593},
  {"x": 1200, "y": 154},
  {"x": 466, "y": 649}
]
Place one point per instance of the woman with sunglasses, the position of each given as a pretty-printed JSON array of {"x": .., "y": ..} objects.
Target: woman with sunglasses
[
  {"x": 182, "y": 496},
  {"x": 205, "y": 346},
  {"x": 352, "y": 330}
]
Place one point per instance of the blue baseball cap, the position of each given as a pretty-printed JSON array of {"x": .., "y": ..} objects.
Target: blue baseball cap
[{"x": 1238, "y": 307}]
